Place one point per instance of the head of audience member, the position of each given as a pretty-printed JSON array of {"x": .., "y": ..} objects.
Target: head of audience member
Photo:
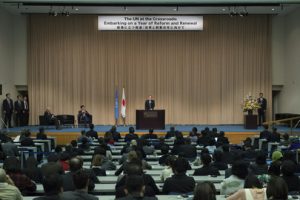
[
  {"x": 100, "y": 151},
  {"x": 252, "y": 181},
  {"x": 205, "y": 191},
  {"x": 222, "y": 134},
  {"x": 179, "y": 140},
  {"x": 76, "y": 164},
  {"x": 218, "y": 156},
  {"x": 170, "y": 160},
  {"x": 247, "y": 145},
  {"x": 53, "y": 157},
  {"x": 134, "y": 168},
  {"x": 239, "y": 169},
  {"x": 179, "y": 166},
  {"x": 92, "y": 126},
  {"x": 74, "y": 143},
  {"x": 261, "y": 158},
  {"x": 27, "y": 133},
  {"x": 195, "y": 130},
  {"x": 274, "y": 169},
  {"x": 205, "y": 159},
  {"x": 135, "y": 186},
  {"x": 42, "y": 130},
  {"x": 276, "y": 156},
  {"x": 288, "y": 168},
  {"x": 277, "y": 189},
  {"x": 12, "y": 165},
  {"x": 81, "y": 180},
  {"x": 266, "y": 127},
  {"x": 84, "y": 141},
  {"x": 132, "y": 155},
  {"x": 58, "y": 149},
  {"x": 131, "y": 130},
  {"x": 164, "y": 149},
  {"x": 211, "y": 142},
  {"x": 204, "y": 151},
  {"x": 64, "y": 156},
  {"x": 53, "y": 184},
  {"x": 289, "y": 155},
  {"x": 83, "y": 133},
  {"x": 113, "y": 129},
  {"x": 97, "y": 160},
  {"x": 151, "y": 130},
  {"x": 172, "y": 129},
  {"x": 274, "y": 130},
  {"x": 214, "y": 130}
]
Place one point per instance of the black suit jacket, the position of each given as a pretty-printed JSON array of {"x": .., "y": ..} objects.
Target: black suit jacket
[
  {"x": 179, "y": 184},
  {"x": 263, "y": 103},
  {"x": 148, "y": 105},
  {"x": 6, "y": 107},
  {"x": 19, "y": 107}
]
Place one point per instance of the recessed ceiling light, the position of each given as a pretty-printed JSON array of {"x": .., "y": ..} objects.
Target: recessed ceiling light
[
  {"x": 273, "y": 9},
  {"x": 223, "y": 9},
  {"x": 76, "y": 9}
]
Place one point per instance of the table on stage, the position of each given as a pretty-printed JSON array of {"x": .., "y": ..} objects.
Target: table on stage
[{"x": 146, "y": 119}]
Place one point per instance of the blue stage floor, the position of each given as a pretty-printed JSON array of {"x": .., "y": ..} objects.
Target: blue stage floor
[{"x": 183, "y": 128}]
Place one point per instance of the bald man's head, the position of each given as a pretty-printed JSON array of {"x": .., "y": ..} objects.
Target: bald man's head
[{"x": 76, "y": 164}]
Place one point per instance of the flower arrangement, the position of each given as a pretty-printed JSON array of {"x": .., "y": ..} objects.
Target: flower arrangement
[{"x": 250, "y": 103}]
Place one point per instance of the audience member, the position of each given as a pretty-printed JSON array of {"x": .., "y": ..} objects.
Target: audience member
[
  {"x": 9, "y": 148},
  {"x": 165, "y": 153},
  {"x": 187, "y": 150},
  {"x": 286, "y": 140},
  {"x": 193, "y": 135},
  {"x": 179, "y": 183},
  {"x": 288, "y": 169},
  {"x": 83, "y": 135},
  {"x": 41, "y": 135},
  {"x": 131, "y": 135},
  {"x": 92, "y": 133},
  {"x": 218, "y": 161},
  {"x": 96, "y": 165},
  {"x": 276, "y": 156},
  {"x": 237, "y": 180},
  {"x": 207, "y": 168},
  {"x": 106, "y": 164},
  {"x": 227, "y": 154},
  {"x": 277, "y": 189},
  {"x": 265, "y": 134},
  {"x": 52, "y": 166},
  {"x": 131, "y": 155},
  {"x": 205, "y": 191},
  {"x": 64, "y": 160},
  {"x": 253, "y": 190},
  {"x": 135, "y": 189},
  {"x": 76, "y": 165},
  {"x": 8, "y": 190},
  {"x": 171, "y": 133},
  {"x": 27, "y": 140},
  {"x": 150, "y": 135},
  {"x": 168, "y": 170},
  {"x": 221, "y": 139},
  {"x": 115, "y": 135},
  {"x": 76, "y": 151},
  {"x": 211, "y": 145},
  {"x": 81, "y": 180},
  {"x": 32, "y": 170},
  {"x": 147, "y": 147},
  {"x": 53, "y": 188},
  {"x": 275, "y": 136},
  {"x": 260, "y": 166},
  {"x": 85, "y": 144}
]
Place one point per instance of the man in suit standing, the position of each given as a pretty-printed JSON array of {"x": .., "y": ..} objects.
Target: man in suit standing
[
  {"x": 25, "y": 111},
  {"x": 8, "y": 107},
  {"x": 262, "y": 110},
  {"x": 149, "y": 103},
  {"x": 19, "y": 111}
]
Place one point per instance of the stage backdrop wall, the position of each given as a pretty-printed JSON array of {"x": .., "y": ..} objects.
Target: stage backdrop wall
[{"x": 198, "y": 77}]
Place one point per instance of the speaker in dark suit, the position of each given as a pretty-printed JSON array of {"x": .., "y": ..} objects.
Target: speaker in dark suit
[
  {"x": 8, "y": 107},
  {"x": 262, "y": 110},
  {"x": 149, "y": 103},
  {"x": 19, "y": 107},
  {"x": 25, "y": 111}
]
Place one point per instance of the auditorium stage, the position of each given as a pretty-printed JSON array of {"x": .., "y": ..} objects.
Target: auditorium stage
[{"x": 235, "y": 133}]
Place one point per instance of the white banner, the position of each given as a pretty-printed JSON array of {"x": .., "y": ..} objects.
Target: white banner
[{"x": 150, "y": 23}]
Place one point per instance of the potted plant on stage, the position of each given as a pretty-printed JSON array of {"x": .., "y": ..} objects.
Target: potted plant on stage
[{"x": 250, "y": 104}]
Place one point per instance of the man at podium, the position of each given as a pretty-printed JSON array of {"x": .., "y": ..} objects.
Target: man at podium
[{"x": 149, "y": 103}]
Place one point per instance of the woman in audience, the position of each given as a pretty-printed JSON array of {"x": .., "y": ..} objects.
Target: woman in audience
[
  {"x": 96, "y": 165},
  {"x": 236, "y": 180},
  {"x": 167, "y": 171},
  {"x": 277, "y": 189},
  {"x": 131, "y": 155},
  {"x": 32, "y": 170},
  {"x": 260, "y": 166},
  {"x": 207, "y": 168},
  {"x": 288, "y": 169},
  {"x": 253, "y": 190},
  {"x": 205, "y": 191}
]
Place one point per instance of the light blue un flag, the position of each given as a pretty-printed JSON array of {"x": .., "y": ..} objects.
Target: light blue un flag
[{"x": 116, "y": 105}]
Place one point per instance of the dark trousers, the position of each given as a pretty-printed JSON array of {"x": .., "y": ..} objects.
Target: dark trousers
[
  {"x": 261, "y": 117},
  {"x": 7, "y": 119},
  {"x": 19, "y": 119},
  {"x": 25, "y": 118}
]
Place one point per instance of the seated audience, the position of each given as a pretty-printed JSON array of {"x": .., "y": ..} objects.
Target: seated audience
[
  {"x": 265, "y": 134},
  {"x": 81, "y": 180},
  {"x": 32, "y": 170},
  {"x": 147, "y": 147},
  {"x": 277, "y": 189},
  {"x": 131, "y": 135},
  {"x": 236, "y": 180},
  {"x": 193, "y": 135},
  {"x": 179, "y": 183},
  {"x": 288, "y": 169},
  {"x": 253, "y": 190},
  {"x": 286, "y": 140},
  {"x": 12, "y": 166},
  {"x": 41, "y": 135},
  {"x": 76, "y": 151},
  {"x": 211, "y": 145},
  {"x": 131, "y": 156},
  {"x": 205, "y": 191},
  {"x": 96, "y": 165},
  {"x": 150, "y": 135},
  {"x": 221, "y": 139},
  {"x": 27, "y": 140},
  {"x": 76, "y": 165},
  {"x": 207, "y": 168},
  {"x": 135, "y": 189},
  {"x": 187, "y": 150},
  {"x": 165, "y": 153},
  {"x": 275, "y": 136},
  {"x": 249, "y": 153},
  {"x": 53, "y": 188},
  {"x": 168, "y": 170},
  {"x": 260, "y": 166},
  {"x": 8, "y": 190},
  {"x": 171, "y": 133},
  {"x": 64, "y": 160},
  {"x": 227, "y": 154},
  {"x": 218, "y": 161},
  {"x": 53, "y": 166},
  {"x": 135, "y": 169},
  {"x": 83, "y": 135},
  {"x": 9, "y": 148},
  {"x": 204, "y": 138},
  {"x": 106, "y": 163},
  {"x": 85, "y": 144},
  {"x": 92, "y": 133},
  {"x": 115, "y": 135}
]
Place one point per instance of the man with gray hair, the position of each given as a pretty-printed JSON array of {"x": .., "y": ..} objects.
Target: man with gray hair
[{"x": 8, "y": 190}]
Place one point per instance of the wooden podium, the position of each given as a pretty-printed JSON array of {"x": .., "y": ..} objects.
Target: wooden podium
[
  {"x": 250, "y": 121},
  {"x": 146, "y": 119}
]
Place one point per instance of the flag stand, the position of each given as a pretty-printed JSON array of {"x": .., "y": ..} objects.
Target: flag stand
[
  {"x": 124, "y": 122},
  {"x": 116, "y": 122}
]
